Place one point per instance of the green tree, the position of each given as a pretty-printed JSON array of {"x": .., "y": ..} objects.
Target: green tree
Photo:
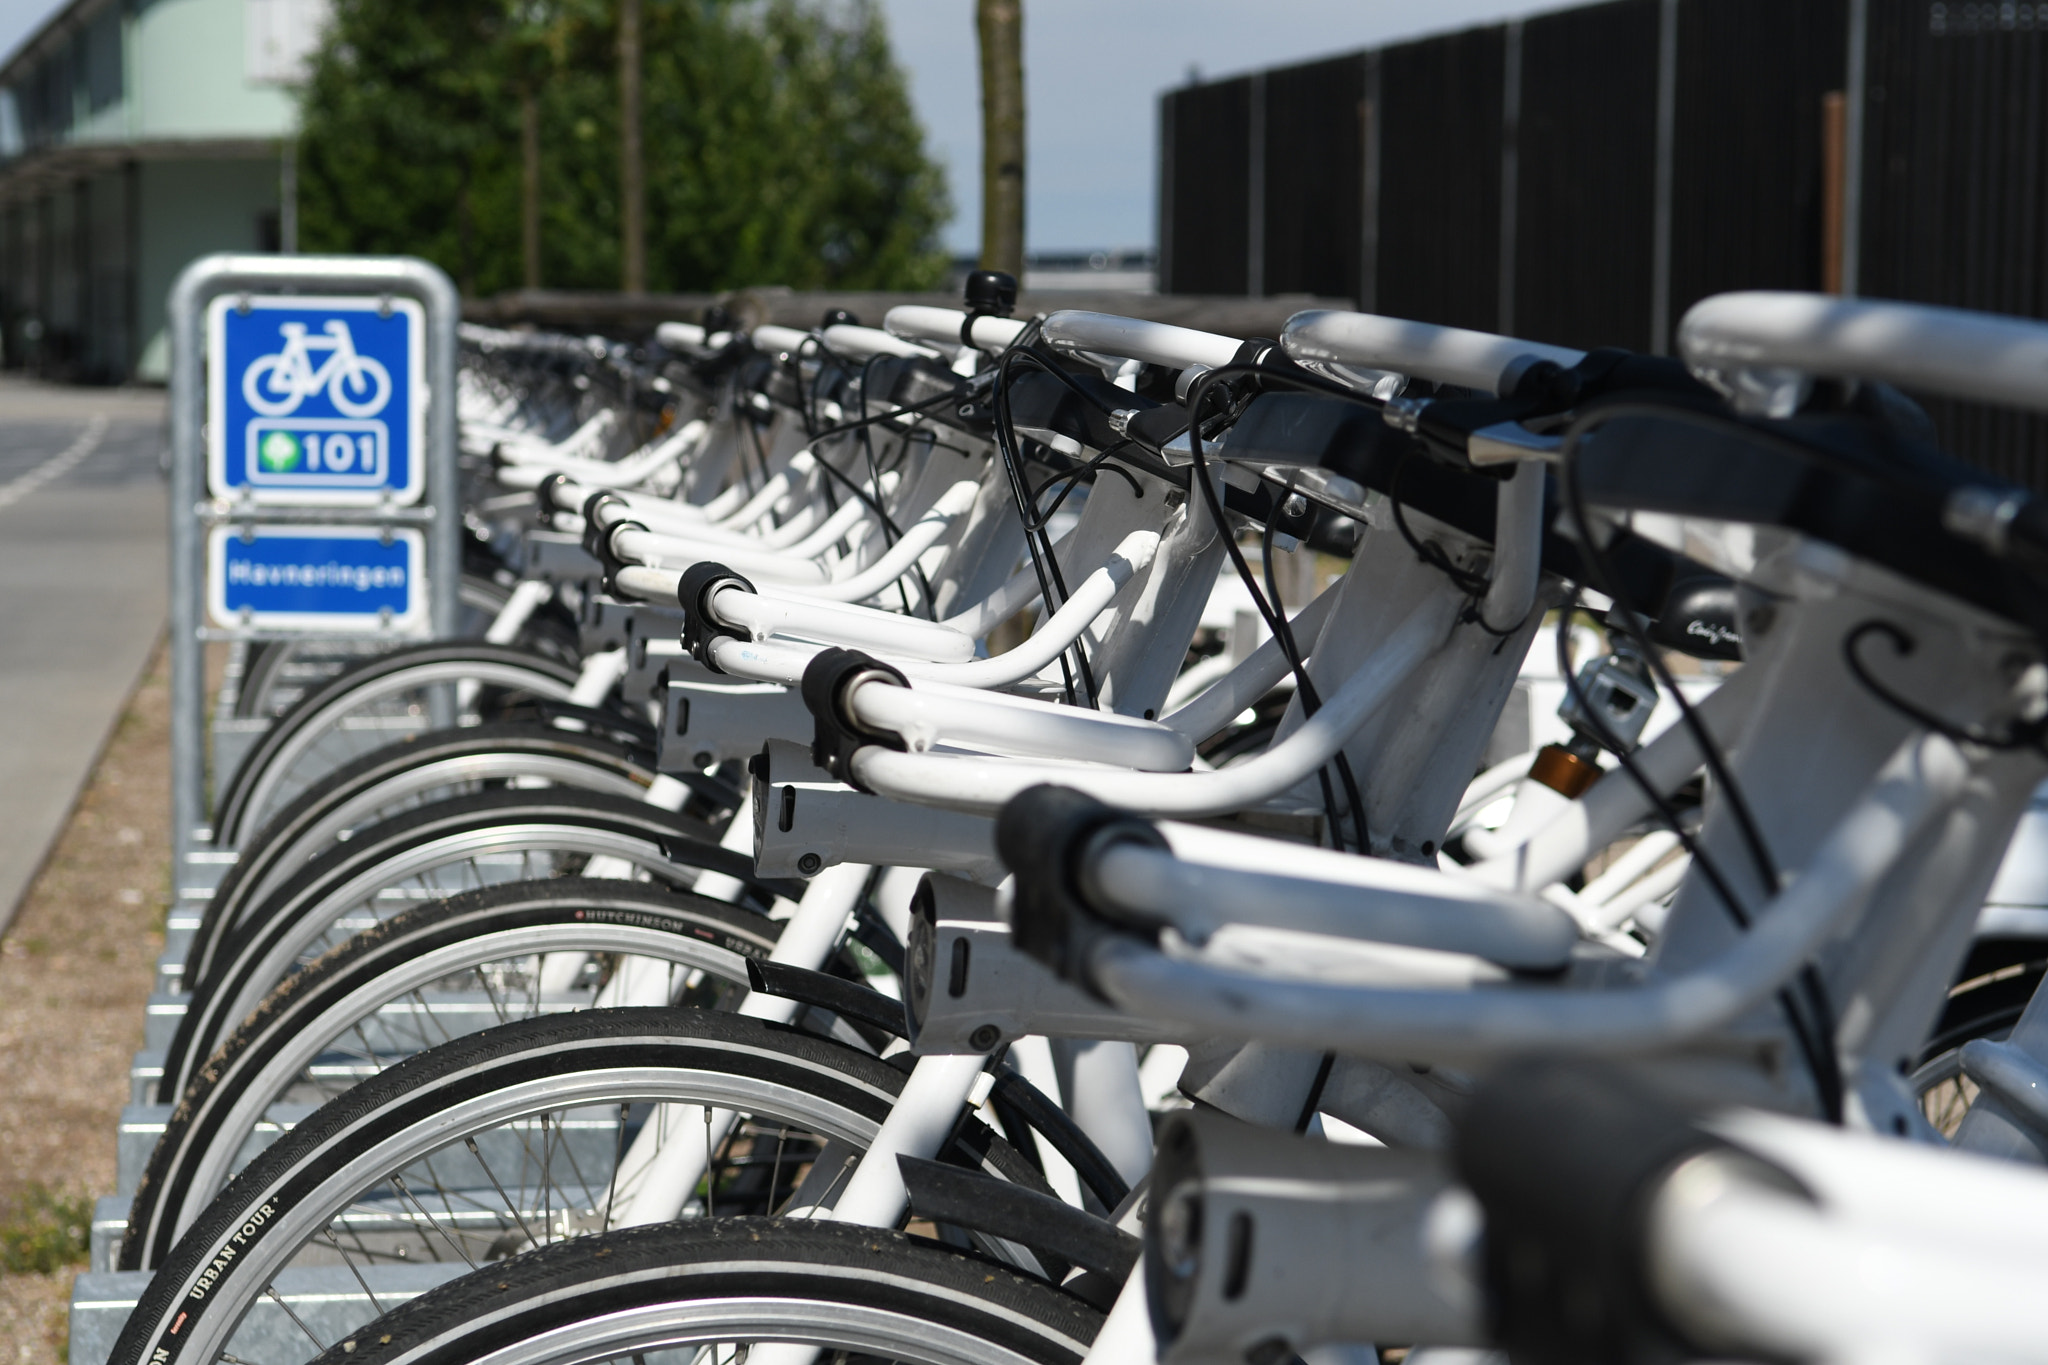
[{"x": 780, "y": 143}]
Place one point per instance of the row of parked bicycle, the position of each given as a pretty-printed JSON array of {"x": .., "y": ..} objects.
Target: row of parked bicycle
[{"x": 847, "y": 897}]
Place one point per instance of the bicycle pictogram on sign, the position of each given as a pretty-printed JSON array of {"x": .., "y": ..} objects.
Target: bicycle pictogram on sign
[
  {"x": 356, "y": 385},
  {"x": 315, "y": 400}
]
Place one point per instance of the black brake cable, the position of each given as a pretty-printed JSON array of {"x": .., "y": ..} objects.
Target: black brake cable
[
  {"x": 1289, "y": 650},
  {"x": 1276, "y": 621},
  {"x": 1292, "y": 645},
  {"x": 1072, "y": 478},
  {"x": 1819, "y": 1045},
  {"x": 1050, "y": 363},
  {"x": 891, "y": 530},
  {"x": 1036, "y": 543},
  {"x": 917, "y": 409},
  {"x": 1596, "y": 559},
  {"x": 851, "y": 484},
  {"x": 1633, "y": 622},
  {"x": 2021, "y": 734},
  {"x": 1826, "y": 1074},
  {"x": 807, "y": 395},
  {"x": 889, "y": 534},
  {"x": 1024, "y": 348},
  {"x": 1469, "y": 582}
]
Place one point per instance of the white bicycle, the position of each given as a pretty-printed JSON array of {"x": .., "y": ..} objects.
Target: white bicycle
[{"x": 357, "y": 385}]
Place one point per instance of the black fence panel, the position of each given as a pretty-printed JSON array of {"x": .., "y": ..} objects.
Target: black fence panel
[
  {"x": 1747, "y": 153},
  {"x": 1585, "y": 207},
  {"x": 1380, "y": 176},
  {"x": 1206, "y": 188},
  {"x": 1955, "y": 196},
  {"x": 1315, "y": 178},
  {"x": 1439, "y": 183}
]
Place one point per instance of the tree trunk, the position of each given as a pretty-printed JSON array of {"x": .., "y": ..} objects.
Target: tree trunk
[
  {"x": 1000, "y": 26},
  {"x": 529, "y": 184},
  {"x": 632, "y": 184}
]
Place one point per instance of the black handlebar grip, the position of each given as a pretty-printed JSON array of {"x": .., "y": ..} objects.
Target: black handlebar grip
[{"x": 1563, "y": 1157}]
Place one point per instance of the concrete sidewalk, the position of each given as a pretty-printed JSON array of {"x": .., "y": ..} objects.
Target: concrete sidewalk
[{"x": 83, "y": 562}]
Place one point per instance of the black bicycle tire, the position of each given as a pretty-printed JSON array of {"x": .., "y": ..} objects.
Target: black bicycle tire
[
  {"x": 274, "y": 840},
  {"x": 685, "y": 843},
  {"x": 727, "y": 1259},
  {"x": 305, "y": 995},
  {"x": 229, "y": 808},
  {"x": 481, "y": 594},
  {"x": 415, "y": 1092}
]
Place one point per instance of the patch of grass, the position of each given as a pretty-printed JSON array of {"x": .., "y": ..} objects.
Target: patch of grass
[{"x": 44, "y": 1230}]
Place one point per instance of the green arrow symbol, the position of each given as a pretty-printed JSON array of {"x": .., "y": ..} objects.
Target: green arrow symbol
[{"x": 278, "y": 452}]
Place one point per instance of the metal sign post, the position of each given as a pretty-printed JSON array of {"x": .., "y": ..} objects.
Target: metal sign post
[{"x": 313, "y": 473}]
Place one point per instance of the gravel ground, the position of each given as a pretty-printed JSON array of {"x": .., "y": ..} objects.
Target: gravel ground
[{"x": 75, "y": 971}]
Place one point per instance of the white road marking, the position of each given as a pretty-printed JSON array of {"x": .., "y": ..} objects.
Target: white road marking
[{"x": 57, "y": 465}]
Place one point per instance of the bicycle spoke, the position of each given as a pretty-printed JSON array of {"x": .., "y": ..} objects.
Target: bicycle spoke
[
  {"x": 497, "y": 1005},
  {"x": 348, "y": 1261},
  {"x": 775, "y": 1175},
  {"x": 492, "y": 1176},
  {"x": 278, "y": 1299},
  {"x": 569, "y": 1155},
  {"x": 441, "y": 1189},
  {"x": 710, "y": 1168},
  {"x": 547, "y": 1165},
  {"x": 611, "y": 1193},
  {"x": 426, "y": 1012},
  {"x": 398, "y": 1182}
]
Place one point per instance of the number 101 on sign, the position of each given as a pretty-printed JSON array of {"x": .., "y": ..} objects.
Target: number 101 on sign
[{"x": 329, "y": 452}]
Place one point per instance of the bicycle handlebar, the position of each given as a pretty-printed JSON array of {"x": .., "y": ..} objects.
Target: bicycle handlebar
[
  {"x": 1924, "y": 778},
  {"x": 1443, "y": 355},
  {"x": 983, "y": 785},
  {"x": 1155, "y": 343},
  {"x": 778, "y": 661},
  {"x": 922, "y": 323},
  {"x": 1206, "y": 880},
  {"x": 770, "y": 337},
  {"x": 680, "y": 334},
  {"x": 860, "y": 343},
  {"x": 1944, "y": 350},
  {"x": 924, "y": 716},
  {"x": 1740, "y": 1234}
]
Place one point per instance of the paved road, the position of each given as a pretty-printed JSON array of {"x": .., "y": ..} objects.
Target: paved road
[{"x": 83, "y": 560}]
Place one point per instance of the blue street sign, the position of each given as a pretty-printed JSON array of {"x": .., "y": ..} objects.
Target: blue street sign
[
  {"x": 316, "y": 400},
  {"x": 331, "y": 579}
]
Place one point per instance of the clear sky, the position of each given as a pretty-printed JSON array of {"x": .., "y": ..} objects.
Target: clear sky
[
  {"x": 18, "y": 18},
  {"x": 1093, "y": 71}
]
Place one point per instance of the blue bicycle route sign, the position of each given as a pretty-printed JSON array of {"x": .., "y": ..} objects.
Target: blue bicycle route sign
[
  {"x": 316, "y": 400},
  {"x": 326, "y": 578}
]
